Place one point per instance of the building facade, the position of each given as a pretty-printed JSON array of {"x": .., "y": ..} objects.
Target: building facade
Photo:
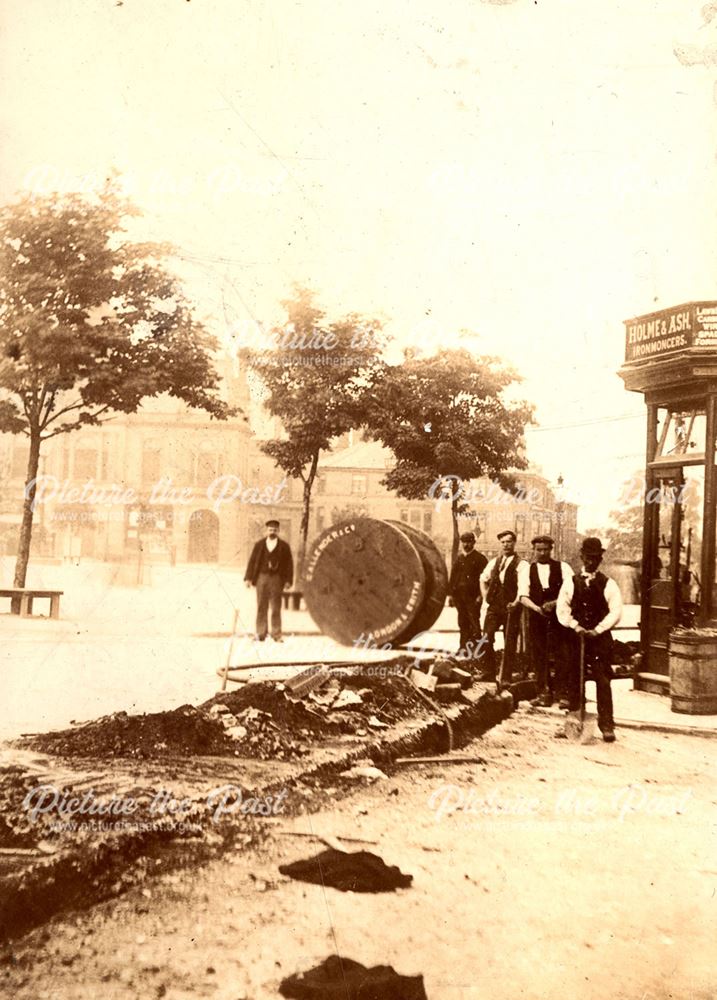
[{"x": 169, "y": 485}]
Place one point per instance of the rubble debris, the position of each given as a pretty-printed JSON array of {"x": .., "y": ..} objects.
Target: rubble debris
[
  {"x": 340, "y": 978},
  {"x": 447, "y": 692},
  {"x": 185, "y": 731},
  {"x": 303, "y": 683},
  {"x": 261, "y": 720},
  {"x": 357, "y": 871},
  {"x": 370, "y": 773},
  {"x": 346, "y": 699}
]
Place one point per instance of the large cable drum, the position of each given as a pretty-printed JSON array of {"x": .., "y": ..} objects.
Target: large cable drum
[{"x": 382, "y": 580}]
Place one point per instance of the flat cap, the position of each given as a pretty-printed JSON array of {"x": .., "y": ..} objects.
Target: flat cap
[
  {"x": 506, "y": 534},
  {"x": 546, "y": 539}
]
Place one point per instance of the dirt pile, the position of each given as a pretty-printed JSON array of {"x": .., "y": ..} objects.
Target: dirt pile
[
  {"x": 261, "y": 721},
  {"x": 185, "y": 731}
]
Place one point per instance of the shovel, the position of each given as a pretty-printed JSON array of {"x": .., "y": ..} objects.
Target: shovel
[{"x": 580, "y": 726}]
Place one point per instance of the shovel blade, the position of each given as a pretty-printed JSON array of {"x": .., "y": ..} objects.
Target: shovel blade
[{"x": 581, "y": 730}]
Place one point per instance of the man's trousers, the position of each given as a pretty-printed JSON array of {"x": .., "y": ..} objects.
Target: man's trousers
[
  {"x": 268, "y": 597},
  {"x": 548, "y": 639},
  {"x": 509, "y": 620},
  {"x": 468, "y": 610},
  {"x": 598, "y": 660}
]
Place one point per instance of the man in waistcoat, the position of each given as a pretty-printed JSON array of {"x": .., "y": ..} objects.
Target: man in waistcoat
[
  {"x": 499, "y": 587},
  {"x": 464, "y": 589},
  {"x": 539, "y": 584},
  {"x": 270, "y": 570},
  {"x": 589, "y": 604}
]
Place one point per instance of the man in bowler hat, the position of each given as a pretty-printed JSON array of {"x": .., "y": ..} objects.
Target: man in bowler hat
[
  {"x": 589, "y": 604},
  {"x": 464, "y": 588},
  {"x": 270, "y": 570}
]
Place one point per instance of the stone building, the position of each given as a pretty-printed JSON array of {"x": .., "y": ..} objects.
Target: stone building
[{"x": 169, "y": 485}]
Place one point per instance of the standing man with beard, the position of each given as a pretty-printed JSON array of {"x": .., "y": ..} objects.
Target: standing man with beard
[
  {"x": 499, "y": 587},
  {"x": 270, "y": 570},
  {"x": 464, "y": 588},
  {"x": 539, "y": 584}
]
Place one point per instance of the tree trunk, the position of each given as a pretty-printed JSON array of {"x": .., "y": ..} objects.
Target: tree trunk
[
  {"x": 454, "y": 519},
  {"x": 304, "y": 526},
  {"x": 23, "y": 548}
]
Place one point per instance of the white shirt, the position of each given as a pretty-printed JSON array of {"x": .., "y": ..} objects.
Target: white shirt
[
  {"x": 543, "y": 575},
  {"x": 488, "y": 571},
  {"x": 612, "y": 596},
  {"x": 271, "y": 543}
]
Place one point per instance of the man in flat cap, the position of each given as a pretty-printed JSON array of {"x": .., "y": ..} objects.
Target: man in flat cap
[
  {"x": 270, "y": 570},
  {"x": 499, "y": 587},
  {"x": 589, "y": 604},
  {"x": 539, "y": 584},
  {"x": 464, "y": 589}
]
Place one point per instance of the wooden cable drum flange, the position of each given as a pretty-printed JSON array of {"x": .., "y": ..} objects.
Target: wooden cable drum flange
[
  {"x": 366, "y": 578},
  {"x": 436, "y": 574}
]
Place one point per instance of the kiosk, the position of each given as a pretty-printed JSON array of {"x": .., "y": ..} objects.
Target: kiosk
[{"x": 671, "y": 358}]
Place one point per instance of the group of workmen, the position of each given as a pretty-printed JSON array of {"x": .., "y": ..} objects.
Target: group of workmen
[{"x": 568, "y": 616}]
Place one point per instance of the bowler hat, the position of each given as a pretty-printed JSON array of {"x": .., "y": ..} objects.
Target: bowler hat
[{"x": 592, "y": 547}]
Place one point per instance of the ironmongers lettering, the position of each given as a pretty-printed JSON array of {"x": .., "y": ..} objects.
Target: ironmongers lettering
[{"x": 671, "y": 330}]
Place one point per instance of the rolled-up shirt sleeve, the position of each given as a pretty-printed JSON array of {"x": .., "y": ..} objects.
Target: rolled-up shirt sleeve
[
  {"x": 614, "y": 603},
  {"x": 524, "y": 579},
  {"x": 485, "y": 575},
  {"x": 564, "y": 609}
]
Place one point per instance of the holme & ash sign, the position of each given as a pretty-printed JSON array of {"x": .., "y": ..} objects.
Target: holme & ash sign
[{"x": 671, "y": 330}]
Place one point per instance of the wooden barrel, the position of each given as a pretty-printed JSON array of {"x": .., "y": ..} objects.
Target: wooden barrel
[
  {"x": 369, "y": 580},
  {"x": 693, "y": 672}
]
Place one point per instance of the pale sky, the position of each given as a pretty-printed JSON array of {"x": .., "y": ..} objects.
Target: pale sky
[{"x": 533, "y": 172}]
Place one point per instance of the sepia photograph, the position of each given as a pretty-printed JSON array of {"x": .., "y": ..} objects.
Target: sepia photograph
[{"x": 358, "y": 500}]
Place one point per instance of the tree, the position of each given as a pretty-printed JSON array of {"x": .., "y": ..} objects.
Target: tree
[
  {"x": 91, "y": 323},
  {"x": 446, "y": 421},
  {"x": 348, "y": 512},
  {"x": 623, "y": 536},
  {"x": 314, "y": 374}
]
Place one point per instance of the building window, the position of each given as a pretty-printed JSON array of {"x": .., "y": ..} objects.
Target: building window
[
  {"x": 404, "y": 515},
  {"x": 416, "y": 517},
  {"x": 428, "y": 521},
  {"x": 521, "y": 527},
  {"x": 206, "y": 466},
  {"x": 481, "y": 525},
  {"x": 547, "y": 526},
  {"x": 358, "y": 486},
  {"x": 320, "y": 484},
  {"x": 320, "y": 514},
  {"x": 151, "y": 463},
  {"x": 85, "y": 464},
  {"x": 536, "y": 524}
]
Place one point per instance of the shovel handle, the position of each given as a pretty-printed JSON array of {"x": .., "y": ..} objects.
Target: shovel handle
[{"x": 581, "y": 637}]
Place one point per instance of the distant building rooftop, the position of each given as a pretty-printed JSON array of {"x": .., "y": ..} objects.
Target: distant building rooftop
[{"x": 364, "y": 455}]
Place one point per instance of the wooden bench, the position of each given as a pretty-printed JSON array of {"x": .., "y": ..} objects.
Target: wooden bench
[
  {"x": 28, "y": 594},
  {"x": 292, "y": 598}
]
